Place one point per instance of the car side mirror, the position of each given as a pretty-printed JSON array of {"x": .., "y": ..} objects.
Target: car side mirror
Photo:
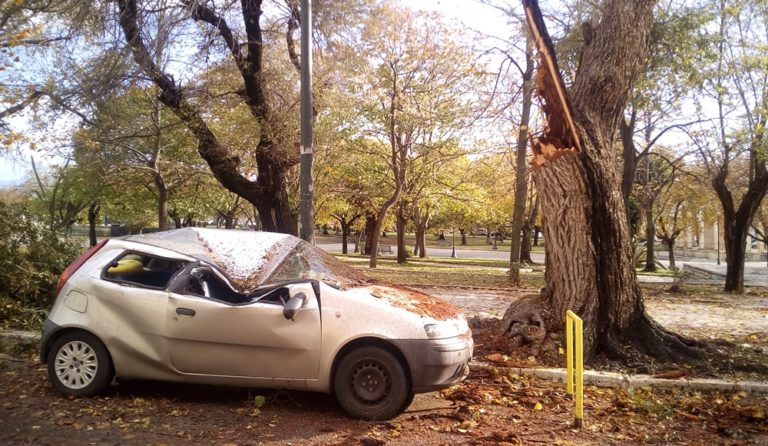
[{"x": 293, "y": 305}]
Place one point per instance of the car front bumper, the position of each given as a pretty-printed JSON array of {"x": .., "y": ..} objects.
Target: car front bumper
[{"x": 437, "y": 363}]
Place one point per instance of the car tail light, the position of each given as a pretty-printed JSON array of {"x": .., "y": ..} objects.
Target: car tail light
[{"x": 78, "y": 263}]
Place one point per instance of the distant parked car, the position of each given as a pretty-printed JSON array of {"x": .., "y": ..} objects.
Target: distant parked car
[{"x": 249, "y": 309}]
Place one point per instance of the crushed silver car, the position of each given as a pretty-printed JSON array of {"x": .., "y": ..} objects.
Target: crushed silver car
[{"x": 251, "y": 309}]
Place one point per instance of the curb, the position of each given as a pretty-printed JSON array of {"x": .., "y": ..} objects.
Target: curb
[{"x": 613, "y": 379}]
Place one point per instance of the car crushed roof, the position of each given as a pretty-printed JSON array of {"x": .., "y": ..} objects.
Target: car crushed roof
[
  {"x": 252, "y": 259},
  {"x": 255, "y": 258}
]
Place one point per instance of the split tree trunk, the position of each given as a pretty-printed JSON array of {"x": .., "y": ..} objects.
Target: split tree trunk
[{"x": 590, "y": 266}]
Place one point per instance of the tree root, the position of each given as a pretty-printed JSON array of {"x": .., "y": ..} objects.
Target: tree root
[
  {"x": 646, "y": 336},
  {"x": 523, "y": 322}
]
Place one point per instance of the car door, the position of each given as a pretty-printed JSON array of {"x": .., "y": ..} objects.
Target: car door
[
  {"x": 129, "y": 308},
  {"x": 211, "y": 337}
]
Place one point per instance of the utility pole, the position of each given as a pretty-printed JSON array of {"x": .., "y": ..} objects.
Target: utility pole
[{"x": 306, "y": 226}]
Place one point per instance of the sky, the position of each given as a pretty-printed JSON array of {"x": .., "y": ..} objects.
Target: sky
[{"x": 474, "y": 14}]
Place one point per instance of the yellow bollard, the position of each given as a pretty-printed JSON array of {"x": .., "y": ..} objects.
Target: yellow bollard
[{"x": 574, "y": 351}]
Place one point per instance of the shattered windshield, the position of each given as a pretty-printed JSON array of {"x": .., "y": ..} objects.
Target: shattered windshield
[{"x": 306, "y": 261}]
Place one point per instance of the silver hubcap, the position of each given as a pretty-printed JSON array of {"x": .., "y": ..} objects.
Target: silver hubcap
[{"x": 76, "y": 364}]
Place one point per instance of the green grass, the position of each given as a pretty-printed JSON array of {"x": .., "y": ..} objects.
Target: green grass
[
  {"x": 416, "y": 261},
  {"x": 443, "y": 273}
]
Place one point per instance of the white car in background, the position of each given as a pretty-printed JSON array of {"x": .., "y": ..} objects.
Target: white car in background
[{"x": 251, "y": 309}]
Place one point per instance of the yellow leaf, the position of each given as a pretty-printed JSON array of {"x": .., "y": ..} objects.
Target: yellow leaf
[{"x": 538, "y": 406}]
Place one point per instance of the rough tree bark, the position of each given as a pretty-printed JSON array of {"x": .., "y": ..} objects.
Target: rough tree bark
[
  {"x": 268, "y": 193},
  {"x": 589, "y": 251}
]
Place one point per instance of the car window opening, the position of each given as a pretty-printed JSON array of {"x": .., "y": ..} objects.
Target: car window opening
[
  {"x": 143, "y": 270},
  {"x": 206, "y": 283}
]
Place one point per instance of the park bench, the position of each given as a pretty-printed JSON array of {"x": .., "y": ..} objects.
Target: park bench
[{"x": 385, "y": 249}]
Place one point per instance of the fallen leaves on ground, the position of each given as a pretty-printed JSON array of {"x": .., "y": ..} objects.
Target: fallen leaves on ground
[{"x": 494, "y": 406}]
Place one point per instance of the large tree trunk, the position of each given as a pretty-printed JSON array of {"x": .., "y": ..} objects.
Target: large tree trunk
[{"x": 590, "y": 266}]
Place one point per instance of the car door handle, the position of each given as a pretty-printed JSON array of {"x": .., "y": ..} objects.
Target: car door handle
[{"x": 185, "y": 311}]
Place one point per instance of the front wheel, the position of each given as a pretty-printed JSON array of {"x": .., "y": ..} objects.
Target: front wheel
[
  {"x": 371, "y": 383},
  {"x": 79, "y": 364}
]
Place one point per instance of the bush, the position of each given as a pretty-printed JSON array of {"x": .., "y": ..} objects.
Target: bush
[{"x": 31, "y": 260}]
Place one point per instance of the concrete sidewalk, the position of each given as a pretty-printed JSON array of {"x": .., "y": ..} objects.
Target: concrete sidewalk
[{"x": 755, "y": 273}]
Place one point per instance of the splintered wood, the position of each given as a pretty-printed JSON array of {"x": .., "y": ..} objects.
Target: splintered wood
[{"x": 560, "y": 135}]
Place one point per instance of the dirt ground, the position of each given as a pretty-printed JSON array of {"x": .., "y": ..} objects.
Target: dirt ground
[{"x": 492, "y": 407}]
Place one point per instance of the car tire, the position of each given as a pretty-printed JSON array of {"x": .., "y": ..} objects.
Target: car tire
[
  {"x": 408, "y": 401},
  {"x": 79, "y": 364},
  {"x": 372, "y": 384}
]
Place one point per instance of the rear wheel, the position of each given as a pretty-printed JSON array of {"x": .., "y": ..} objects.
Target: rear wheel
[
  {"x": 371, "y": 383},
  {"x": 79, "y": 364}
]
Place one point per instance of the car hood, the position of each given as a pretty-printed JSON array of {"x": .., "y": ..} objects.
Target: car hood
[{"x": 416, "y": 302}]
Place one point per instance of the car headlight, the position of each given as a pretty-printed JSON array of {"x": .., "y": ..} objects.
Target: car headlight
[{"x": 442, "y": 330}]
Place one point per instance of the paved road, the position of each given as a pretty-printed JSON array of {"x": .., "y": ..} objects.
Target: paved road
[
  {"x": 501, "y": 254},
  {"x": 755, "y": 273}
]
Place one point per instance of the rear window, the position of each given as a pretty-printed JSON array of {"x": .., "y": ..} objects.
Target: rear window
[{"x": 142, "y": 270}]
